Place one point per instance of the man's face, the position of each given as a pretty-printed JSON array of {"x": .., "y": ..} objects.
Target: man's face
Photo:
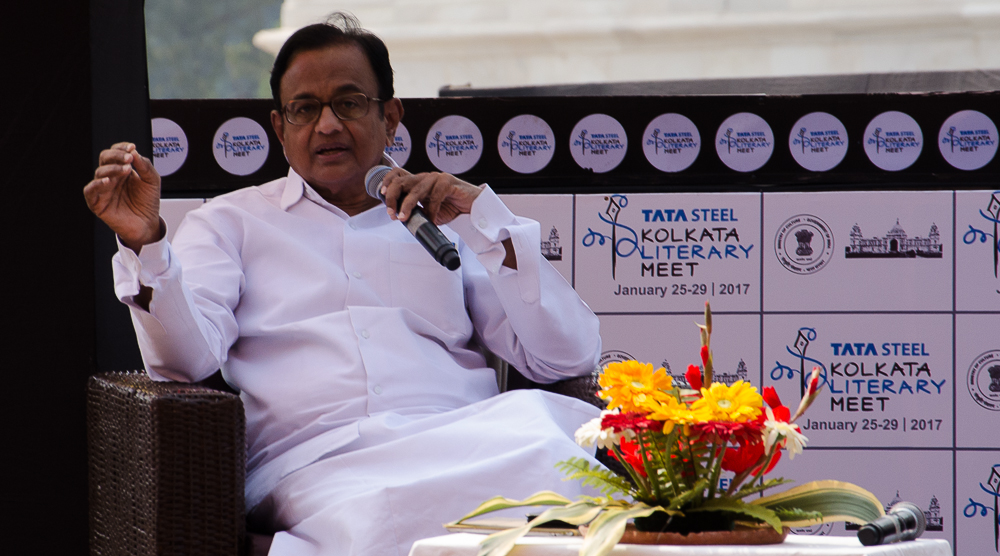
[{"x": 331, "y": 155}]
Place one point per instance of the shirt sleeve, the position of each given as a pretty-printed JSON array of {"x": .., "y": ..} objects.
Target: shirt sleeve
[
  {"x": 200, "y": 322},
  {"x": 531, "y": 317}
]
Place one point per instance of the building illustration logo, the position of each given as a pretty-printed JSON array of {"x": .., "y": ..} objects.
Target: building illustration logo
[
  {"x": 983, "y": 380},
  {"x": 551, "y": 249},
  {"x": 894, "y": 244},
  {"x": 804, "y": 244},
  {"x": 975, "y": 235}
]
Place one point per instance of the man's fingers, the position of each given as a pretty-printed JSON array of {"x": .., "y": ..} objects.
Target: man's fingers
[
  {"x": 417, "y": 188},
  {"x": 144, "y": 167}
]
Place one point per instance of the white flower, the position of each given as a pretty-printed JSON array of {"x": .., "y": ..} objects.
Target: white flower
[
  {"x": 591, "y": 433},
  {"x": 785, "y": 434}
]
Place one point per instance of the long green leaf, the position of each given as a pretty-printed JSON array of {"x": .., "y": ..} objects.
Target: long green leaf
[
  {"x": 759, "y": 513},
  {"x": 836, "y": 500},
  {"x": 605, "y": 531},
  {"x": 501, "y": 542},
  {"x": 543, "y": 498}
]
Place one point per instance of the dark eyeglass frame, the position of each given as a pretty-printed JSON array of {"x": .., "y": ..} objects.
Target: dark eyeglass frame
[{"x": 363, "y": 98}]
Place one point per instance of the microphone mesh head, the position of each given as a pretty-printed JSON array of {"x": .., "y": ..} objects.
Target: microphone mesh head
[{"x": 373, "y": 180}]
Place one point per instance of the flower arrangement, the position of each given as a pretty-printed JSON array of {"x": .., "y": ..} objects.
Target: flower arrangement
[{"x": 673, "y": 444}]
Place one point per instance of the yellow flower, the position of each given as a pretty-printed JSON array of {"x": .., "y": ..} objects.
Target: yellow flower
[
  {"x": 671, "y": 412},
  {"x": 731, "y": 404},
  {"x": 634, "y": 386}
]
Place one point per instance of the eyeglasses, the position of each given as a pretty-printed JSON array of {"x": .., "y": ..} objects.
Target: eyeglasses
[{"x": 346, "y": 107}]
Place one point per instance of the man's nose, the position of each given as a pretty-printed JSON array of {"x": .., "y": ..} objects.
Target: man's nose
[{"x": 328, "y": 121}]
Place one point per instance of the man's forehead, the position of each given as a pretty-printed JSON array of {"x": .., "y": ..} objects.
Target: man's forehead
[{"x": 338, "y": 68}]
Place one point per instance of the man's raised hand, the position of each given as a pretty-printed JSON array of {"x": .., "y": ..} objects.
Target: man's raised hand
[{"x": 125, "y": 194}]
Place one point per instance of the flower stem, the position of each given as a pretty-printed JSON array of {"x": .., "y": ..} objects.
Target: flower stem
[{"x": 716, "y": 468}]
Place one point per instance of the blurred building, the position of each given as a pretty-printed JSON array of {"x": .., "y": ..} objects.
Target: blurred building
[{"x": 504, "y": 43}]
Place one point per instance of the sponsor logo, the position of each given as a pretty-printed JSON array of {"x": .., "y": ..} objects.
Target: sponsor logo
[
  {"x": 401, "y": 145},
  {"x": 818, "y": 141},
  {"x": 894, "y": 244},
  {"x": 674, "y": 249},
  {"x": 893, "y": 141},
  {"x": 170, "y": 146},
  {"x": 804, "y": 244},
  {"x": 744, "y": 142},
  {"x": 671, "y": 142},
  {"x": 598, "y": 143},
  {"x": 975, "y": 235},
  {"x": 968, "y": 140},
  {"x": 992, "y": 497},
  {"x": 526, "y": 144},
  {"x": 240, "y": 146},
  {"x": 983, "y": 380},
  {"x": 454, "y": 144}
]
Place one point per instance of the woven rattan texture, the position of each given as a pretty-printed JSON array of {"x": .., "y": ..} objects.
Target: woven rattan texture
[{"x": 167, "y": 468}]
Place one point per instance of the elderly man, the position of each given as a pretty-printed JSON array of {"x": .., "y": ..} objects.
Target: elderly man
[{"x": 371, "y": 415}]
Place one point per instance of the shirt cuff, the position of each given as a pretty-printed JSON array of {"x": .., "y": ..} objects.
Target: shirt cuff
[
  {"x": 133, "y": 270},
  {"x": 488, "y": 223}
]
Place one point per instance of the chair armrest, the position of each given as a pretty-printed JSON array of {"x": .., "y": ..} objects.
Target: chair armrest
[{"x": 167, "y": 466}]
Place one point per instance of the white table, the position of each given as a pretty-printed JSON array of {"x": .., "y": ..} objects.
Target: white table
[{"x": 467, "y": 544}]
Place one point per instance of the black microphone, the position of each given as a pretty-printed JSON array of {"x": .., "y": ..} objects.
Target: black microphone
[
  {"x": 904, "y": 522},
  {"x": 420, "y": 226}
]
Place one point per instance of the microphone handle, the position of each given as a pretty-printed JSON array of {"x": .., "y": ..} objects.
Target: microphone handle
[{"x": 435, "y": 242}]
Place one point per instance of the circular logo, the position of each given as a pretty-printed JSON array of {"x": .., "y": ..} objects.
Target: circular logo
[
  {"x": 454, "y": 144},
  {"x": 613, "y": 356},
  {"x": 598, "y": 143},
  {"x": 671, "y": 142},
  {"x": 240, "y": 146},
  {"x": 893, "y": 141},
  {"x": 401, "y": 145},
  {"x": 804, "y": 244},
  {"x": 968, "y": 140},
  {"x": 818, "y": 141},
  {"x": 984, "y": 380},
  {"x": 744, "y": 142},
  {"x": 526, "y": 144},
  {"x": 170, "y": 146}
]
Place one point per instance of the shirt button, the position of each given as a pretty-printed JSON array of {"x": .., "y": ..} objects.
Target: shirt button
[
  {"x": 353, "y": 225},
  {"x": 377, "y": 389},
  {"x": 357, "y": 274},
  {"x": 365, "y": 334},
  {"x": 483, "y": 223}
]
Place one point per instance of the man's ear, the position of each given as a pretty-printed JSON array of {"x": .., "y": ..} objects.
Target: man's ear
[
  {"x": 392, "y": 115},
  {"x": 278, "y": 124}
]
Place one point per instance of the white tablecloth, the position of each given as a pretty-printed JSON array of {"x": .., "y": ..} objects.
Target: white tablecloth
[{"x": 467, "y": 544}]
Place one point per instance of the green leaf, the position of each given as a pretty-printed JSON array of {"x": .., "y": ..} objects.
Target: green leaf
[
  {"x": 543, "y": 498},
  {"x": 605, "y": 531},
  {"x": 501, "y": 542},
  {"x": 758, "y": 513},
  {"x": 685, "y": 497},
  {"x": 598, "y": 477},
  {"x": 796, "y": 515},
  {"x": 753, "y": 488},
  {"x": 836, "y": 500}
]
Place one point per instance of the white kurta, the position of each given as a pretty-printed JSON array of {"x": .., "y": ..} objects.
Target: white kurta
[{"x": 350, "y": 345}]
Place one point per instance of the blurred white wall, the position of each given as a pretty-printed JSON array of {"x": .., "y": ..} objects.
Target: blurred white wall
[{"x": 500, "y": 43}]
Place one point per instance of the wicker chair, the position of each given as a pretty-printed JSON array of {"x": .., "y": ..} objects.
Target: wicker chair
[{"x": 167, "y": 466}]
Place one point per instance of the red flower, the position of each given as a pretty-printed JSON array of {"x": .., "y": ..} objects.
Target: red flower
[
  {"x": 633, "y": 421},
  {"x": 704, "y": 355},
  {"x": 748, "y": 432},
  {"x": 771, "y": 396},
  {"x": 740, "y": 459},
  {"x": 630, "y": 451},
  {"x": 693, "y": 376}
]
